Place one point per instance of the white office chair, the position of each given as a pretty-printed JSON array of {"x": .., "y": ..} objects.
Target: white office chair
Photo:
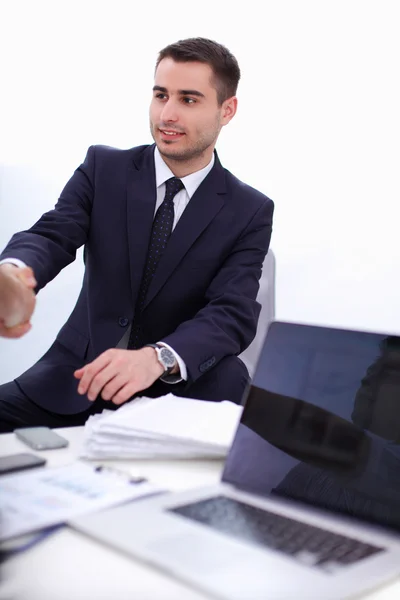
[{"x": 266, "y": 297}]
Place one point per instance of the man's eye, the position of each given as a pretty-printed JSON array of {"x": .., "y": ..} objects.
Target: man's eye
[
  {"x": 189, "y": 100},
  {"x": 161, "y": 96}
]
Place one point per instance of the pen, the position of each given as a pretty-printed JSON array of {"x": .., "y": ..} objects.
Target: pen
[{"x": 130, "y": 478}]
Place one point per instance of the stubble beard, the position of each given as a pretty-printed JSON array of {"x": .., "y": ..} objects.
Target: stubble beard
[{"x": 188, "y": 154}]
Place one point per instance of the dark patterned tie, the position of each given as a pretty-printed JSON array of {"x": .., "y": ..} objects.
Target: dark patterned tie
[{"x": 160, "y": 233}]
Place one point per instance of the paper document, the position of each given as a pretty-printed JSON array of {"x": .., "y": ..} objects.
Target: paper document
[
  {"x": 33, "y": 500},
  {"x": 164, "y": 427}
]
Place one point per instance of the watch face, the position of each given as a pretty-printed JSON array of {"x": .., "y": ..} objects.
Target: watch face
[{"x": 167, "y": 358}]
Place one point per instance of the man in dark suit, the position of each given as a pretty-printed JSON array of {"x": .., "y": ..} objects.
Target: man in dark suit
[{"x": 174, "y": 246}]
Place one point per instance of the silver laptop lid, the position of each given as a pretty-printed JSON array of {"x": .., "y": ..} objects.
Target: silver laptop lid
[{"x": 321, "y": 422}]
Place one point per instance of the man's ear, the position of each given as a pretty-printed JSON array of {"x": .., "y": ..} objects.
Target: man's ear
[{"x": 229, "y": 108}]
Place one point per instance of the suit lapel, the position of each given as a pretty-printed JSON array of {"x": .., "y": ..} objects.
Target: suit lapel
[
  {"x": 141, "y": 201},
  {"x": 204, "y": 205}
]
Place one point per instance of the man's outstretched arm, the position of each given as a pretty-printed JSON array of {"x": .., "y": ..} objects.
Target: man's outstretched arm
[{"x": 51, "y": 243}]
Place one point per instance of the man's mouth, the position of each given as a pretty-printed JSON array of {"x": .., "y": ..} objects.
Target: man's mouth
[{"x": 171, "y": 133}]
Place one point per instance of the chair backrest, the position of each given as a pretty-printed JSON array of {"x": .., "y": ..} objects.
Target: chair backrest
[{"x": 266, "y": 297}]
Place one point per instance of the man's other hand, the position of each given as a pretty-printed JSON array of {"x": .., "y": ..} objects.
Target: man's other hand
[
  {"x": 17, "y": 300},
  {"x": 119, "y": 374}
]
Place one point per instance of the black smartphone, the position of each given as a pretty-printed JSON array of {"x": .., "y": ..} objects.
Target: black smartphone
[
  {"x": 19, "y": 462},
  {"x": 40, "y": 438}
]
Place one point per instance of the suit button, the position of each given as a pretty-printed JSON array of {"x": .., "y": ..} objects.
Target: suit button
[
  {"x": 207, "y": 364},
  {"x": 123, "y": 321}
]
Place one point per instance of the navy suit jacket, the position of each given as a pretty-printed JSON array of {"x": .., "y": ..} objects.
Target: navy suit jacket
[{"x": 201, "y": 300}]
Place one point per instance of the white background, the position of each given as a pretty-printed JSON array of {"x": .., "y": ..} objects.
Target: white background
[{"x": 317, "y": 130}]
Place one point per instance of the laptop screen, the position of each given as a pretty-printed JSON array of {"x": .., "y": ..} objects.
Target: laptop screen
[{"x": 321, "y": 423}]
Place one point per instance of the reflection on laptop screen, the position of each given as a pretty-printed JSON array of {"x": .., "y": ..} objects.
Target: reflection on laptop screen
[{"x": 321, "y": 422}]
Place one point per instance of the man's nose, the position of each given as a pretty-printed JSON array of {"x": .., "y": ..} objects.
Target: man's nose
[{"x": 169, "y": 112}]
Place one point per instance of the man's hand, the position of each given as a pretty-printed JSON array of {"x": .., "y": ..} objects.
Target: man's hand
[
  {"x": 17, "y": 300},
  {"x": 119, "y": 374}
]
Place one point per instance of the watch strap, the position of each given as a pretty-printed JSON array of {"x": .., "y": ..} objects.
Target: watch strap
[{"x": 152, "y": 346}]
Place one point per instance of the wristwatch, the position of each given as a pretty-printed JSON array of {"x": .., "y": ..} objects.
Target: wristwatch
[{"x": 165, "y": 357}]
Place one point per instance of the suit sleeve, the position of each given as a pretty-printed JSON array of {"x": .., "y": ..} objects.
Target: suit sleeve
[
  {"x": 228, "y": 322},
  {"x": 51, "y": 243}
]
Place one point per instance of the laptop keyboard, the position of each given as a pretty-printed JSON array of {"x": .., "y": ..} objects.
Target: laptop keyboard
[{"x": 308, "y": 544}]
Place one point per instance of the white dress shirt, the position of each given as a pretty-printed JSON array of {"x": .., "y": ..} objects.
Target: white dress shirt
[{"x": 181, "y": 200}]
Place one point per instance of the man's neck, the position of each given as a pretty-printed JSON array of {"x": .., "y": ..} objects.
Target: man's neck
[{"x": 182, "y": 168}]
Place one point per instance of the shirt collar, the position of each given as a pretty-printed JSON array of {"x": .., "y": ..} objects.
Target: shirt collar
[{"x": 191, "y": 182}]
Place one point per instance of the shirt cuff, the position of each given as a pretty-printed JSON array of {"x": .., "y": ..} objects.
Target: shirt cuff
[
  {"x": 182, "y": 367},
  {"x": 14, "y": 261}
]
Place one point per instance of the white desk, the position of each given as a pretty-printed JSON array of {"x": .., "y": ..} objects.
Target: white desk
[{"x": 68, "y": 565}]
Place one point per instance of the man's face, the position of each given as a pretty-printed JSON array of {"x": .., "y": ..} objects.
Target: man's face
[{"x": 185, "y": 118}]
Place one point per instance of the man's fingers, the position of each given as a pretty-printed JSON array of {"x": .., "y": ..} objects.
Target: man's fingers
[
  {"x": 26, "y": 275},
  {"x": 14, "y": 332},
  {"x": 20, "y": 300},
  {"x": 90, "y": 371},
  {"x": 117, "y": 375},
  {"x": 17, "y": 300},
  {"x": 113, "y": 386},
  {"x": 125, "y": 393},
  {"x": 19, "y": 317},
  {"x": 79, "y": 372},
  {"x": 98, "y": 382}
]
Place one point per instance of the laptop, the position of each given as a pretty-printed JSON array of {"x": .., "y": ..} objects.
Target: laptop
[{"x": 309, "y": 502}]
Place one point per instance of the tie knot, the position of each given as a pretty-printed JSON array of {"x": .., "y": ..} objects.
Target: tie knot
[{"x": 172, "y": 187}]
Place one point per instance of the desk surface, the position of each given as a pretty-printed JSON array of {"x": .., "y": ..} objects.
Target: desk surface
[{"x": 70, "y": 565}]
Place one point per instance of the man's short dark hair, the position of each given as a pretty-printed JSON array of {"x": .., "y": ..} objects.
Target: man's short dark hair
[{"x": 223, "y": 64}]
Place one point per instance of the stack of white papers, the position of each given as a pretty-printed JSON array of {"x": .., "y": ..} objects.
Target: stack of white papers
[{"x": 164, "y": 427}]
